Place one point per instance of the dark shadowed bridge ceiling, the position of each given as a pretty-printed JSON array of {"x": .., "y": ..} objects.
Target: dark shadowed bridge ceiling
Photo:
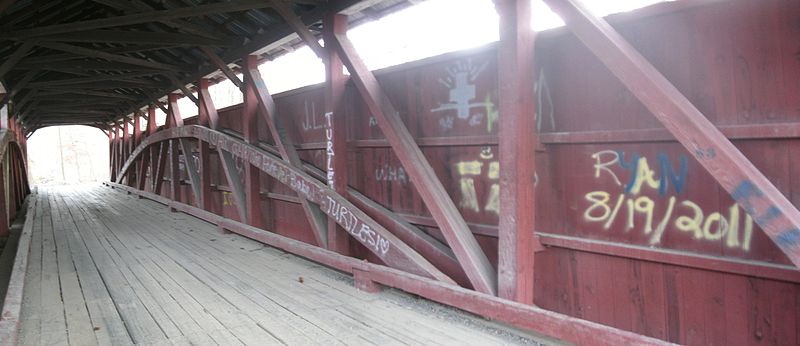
[{"x": 93, "y": 61}]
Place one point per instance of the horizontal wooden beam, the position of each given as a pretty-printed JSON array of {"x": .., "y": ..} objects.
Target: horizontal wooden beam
[
  {"x": 136, "y": 6},
  {"x": 93, "y": 53},
  {"x": 63, "y": 110},
  {"x": 781, "y": 272},
  {"x": 58, "y": 91},
  {"x": 104, "y": 86},
  {"x": 126, "y": 78},
  {"x": 137, "y": 37},
  {"x": 749, "y": 131},
  {"x": 71, "y": 101},
  {"x": 70, "y": 62},
  {"x": 139, "y": 18}
]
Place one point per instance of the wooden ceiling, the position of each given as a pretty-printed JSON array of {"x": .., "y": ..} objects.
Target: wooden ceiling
[{"x": 92, "y": 62}]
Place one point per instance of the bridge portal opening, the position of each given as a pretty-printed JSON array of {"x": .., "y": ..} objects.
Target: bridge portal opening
[{"x": 64, "y": 155}]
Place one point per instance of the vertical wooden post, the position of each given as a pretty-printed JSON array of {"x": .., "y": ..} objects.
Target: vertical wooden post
[
  {"x": 12, "y": 175},
  {"x": 137, "y": 134},
  {"x": 126, "y": 139},
  {"x": 137, "y": 129},
  {"x": 3, "y": 112},
  {"x": 336, "y": 127},
  {"x": 151, "y": 129},
  {"x": 175, "y": 120},
  {"x": 17, "y": 180},
  {"x": 129, "y": 146},
  {"x": 4, "y": 221},
  {"x": 251, "y": 175},
  {"x": 20, "y": 174},
  {"x": 204, "y": 169},
  {"x": 517, "y": 147},
  {"x": 112, "y": 158},
  {"x": 117, "y": 148},
  {"x": 141, "y": 171}
]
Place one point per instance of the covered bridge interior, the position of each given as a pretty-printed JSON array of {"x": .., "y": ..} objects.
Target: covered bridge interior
[{"x": 620, "y": 180}]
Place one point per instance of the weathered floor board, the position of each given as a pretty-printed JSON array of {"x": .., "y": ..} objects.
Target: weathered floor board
[{"x": 108, "y": 268}]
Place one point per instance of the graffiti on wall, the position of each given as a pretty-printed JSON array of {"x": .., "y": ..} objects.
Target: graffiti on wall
[
  {"x": 544, "y": 103},
  {"x": 311, "y": 120},
  {"x": 632, "y": 209},
  {"x": 356, "y": 227},
  {"x": 239, "y": 164},
  {"x": 484, "y": 168},
  {"x": 228, "y": 199},
  {"x": 391, "y": 173},
  {"x": 329, "y": 153},
  {"x": 747, "y": 195},
  {"x": 463, "y": 98}
]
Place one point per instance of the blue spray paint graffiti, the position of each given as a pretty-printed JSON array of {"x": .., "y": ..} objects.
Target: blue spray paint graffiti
[
  {"x": 641, "y": 173},
  {"x": 744, "y": 195}
]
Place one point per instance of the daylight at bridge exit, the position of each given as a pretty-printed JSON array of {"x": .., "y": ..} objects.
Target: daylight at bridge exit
[{"x": 399, "y": 172}]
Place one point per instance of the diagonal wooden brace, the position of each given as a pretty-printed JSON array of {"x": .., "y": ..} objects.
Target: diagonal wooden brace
[
  {"x": 137, "y": 136},
  {"x": 770, "y": 209},
  {"x": 458, "y": 235},
  {"x": 235, "y": 182},
  {"x": 284, "y": 143},
  {"x": 160, "y": 164},
  {"x": 125, "y": 146},
  {"x": 141, "y": 176},
  {"x": 222, "y": 66},
  {"x": 174, "y": 119},
  {"x": 207, "y": 116},
  {"x": 300, "y": 28},
  {"x": 191, "y": 169}
]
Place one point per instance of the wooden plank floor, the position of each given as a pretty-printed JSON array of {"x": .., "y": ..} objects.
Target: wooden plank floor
[{"x": 110, "y": 269}]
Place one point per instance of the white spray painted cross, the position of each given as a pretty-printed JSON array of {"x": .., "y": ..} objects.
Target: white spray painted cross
[{"x": 461, "y": 82}]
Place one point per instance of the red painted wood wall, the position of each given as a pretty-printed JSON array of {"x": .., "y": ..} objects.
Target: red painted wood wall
[{"x": 638, "y": 235}]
